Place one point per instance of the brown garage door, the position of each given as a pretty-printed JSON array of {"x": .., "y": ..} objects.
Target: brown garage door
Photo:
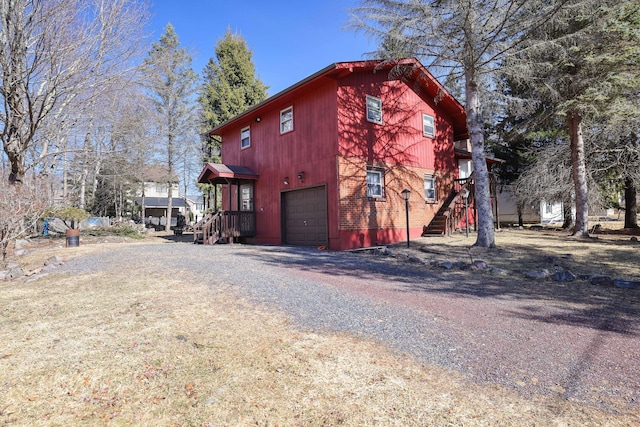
[{"x": 305, "y": 217}]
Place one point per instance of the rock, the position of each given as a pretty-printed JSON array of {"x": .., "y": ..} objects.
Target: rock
[
  {"x": 11, "y": 265},
  {"x": 20, "y": 252},
  {"x": 563, "y": 276},
  {"x": 634, "y": 239},
  {"x": 415, "y": 259},
  {"x": 497, "y": 271},
  {"x": 21, "y": 243},
  {"x": 479, "y": 264},
  {"x": 601, "y": 281},
  {"x": 384, "y": 251},
  {"x": 50, "y": 267},
  {"x": 626, "y": 284},
  {"x": 14, "y": 273},
  {"x": 447, "y": 265},
  {"x": 3, "y": 274},
  {"x": 539, "y": 275},
  {"x": 55, "y": 260}
]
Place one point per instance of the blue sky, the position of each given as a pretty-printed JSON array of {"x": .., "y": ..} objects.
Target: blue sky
[{"x": 290, "y": 39}]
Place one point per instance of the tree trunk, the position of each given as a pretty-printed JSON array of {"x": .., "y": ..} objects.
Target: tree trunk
[
  {"x": 579, "y": 171},
  {"x": 567, "y": 214},
  {"x": 486, "y": 236},
  {"x": 167, "y": 227},
  {"x": 630, "y": 204}
]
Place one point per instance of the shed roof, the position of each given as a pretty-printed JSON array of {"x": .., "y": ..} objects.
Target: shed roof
[{"x": 412, "y": 72}]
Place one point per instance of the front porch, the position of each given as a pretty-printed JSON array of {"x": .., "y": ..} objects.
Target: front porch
[{"x": 239, "y": 219}]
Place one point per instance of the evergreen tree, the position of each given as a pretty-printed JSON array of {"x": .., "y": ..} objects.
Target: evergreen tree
[
  {"x": 230, "y": 87},
  {"x": 170, "y": 82},
  {"x": 584, "y": 62},
  {"x": 468, "y": 40}
]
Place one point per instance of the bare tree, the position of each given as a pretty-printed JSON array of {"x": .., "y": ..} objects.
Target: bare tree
[
  {"x": 170, "y": 82},
  {"x": 20, "y": 208},
  {"x": 54, "y": 52},
  {"x": 464, "y": 39}
]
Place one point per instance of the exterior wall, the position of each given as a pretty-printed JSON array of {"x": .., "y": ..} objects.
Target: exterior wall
[
  {"x": 551, "y": 212},
  {"x": 333, "y": 143},
  {"x": 310, "y": 148},
  {"x": 151, "y": 189},
  {"x": 367, "y": 221},
  {"x": 509, "y": 210},
  {"x": 400, "y": 148}
]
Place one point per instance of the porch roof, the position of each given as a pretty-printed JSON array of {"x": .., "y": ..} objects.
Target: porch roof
[{"x": 221, "y": 173}]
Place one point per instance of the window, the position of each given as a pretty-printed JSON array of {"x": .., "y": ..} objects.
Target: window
[
  {"x": 375, "y": 183},
  {"x": 549, "y": 208},
  {"x": 246, "y": 197},
  {"x": 286, "y": 120},
  {"x": 427, "y": 125},
  {"x": 430, "y": 188},
  {"x": 374, "y": 109},
  {"x": 245, "y": 138},
  {"x": 161, "y": 188}
]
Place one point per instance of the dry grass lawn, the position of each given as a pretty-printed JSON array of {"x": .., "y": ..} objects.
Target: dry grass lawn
[{"x": 125, "y": 349}]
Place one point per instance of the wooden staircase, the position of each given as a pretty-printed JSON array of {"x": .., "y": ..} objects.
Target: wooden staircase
[
  {"x": 452, "y": 210},
  {"x": 207, "y": 230},
  {"x": 224, "y": 226}
]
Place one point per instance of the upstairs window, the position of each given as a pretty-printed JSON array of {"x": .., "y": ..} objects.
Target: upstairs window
[
  {"x": 430, "y": 188},
  {"x": 245, "y": 138},
  {"x": 286, "y": 120},
  {"x": 375, "y": 183},
  {"x": 427, "y": 126},
  {"x": 374, "y": 109}
]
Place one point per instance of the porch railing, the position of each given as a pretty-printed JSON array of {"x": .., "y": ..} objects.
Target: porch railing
[{"x": 224, "y": 226}]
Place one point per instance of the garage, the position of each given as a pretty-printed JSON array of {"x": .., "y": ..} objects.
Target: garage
[{"x": 305, "y": 216}]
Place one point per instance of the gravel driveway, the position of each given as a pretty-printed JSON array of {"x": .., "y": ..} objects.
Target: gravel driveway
[{"x": 578, "y": 342}]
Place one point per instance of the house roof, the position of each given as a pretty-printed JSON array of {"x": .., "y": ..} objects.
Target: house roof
[
  {"x": 158, "y": 173},
  {"x": 218, "y": 171},
  {"x": 414, "y": 74}
]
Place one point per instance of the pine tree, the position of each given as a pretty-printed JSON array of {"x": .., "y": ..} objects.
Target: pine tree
[
  {"x": 585, "y": 62},
  {"x": 468, "y": 40},
  {"x": 170, "y": 82},
  {"x": 230, "y": 87}
]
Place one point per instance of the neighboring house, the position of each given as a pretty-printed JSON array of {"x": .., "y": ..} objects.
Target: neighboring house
[
  {"x": 156, "y": 195},
  {"x": 325, "y": 162},
  {"x": 540, "y": 213}
]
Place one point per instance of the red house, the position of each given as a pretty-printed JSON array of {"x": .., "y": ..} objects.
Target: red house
[{"x": 325, "y": 161}]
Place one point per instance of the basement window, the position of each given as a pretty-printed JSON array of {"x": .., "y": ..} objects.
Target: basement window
[
  {"x": 375, "y": 183},
  {"x": 430, "y": 188}
]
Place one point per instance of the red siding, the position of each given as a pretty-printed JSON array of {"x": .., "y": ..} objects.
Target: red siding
[
  {"x": 332, "y": 142},
  {"x": 311, "y": 147}
]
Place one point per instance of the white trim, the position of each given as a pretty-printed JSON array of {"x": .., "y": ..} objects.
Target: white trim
[
  {"x": 428, "y": 117},
  {"x": 433, "y": 179},
  {"x": 374, "y": 114},
  {"x": 379, "y": 184},
  {"x": 248, "y": 138},
  {"x": 287, "y": 120}
]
